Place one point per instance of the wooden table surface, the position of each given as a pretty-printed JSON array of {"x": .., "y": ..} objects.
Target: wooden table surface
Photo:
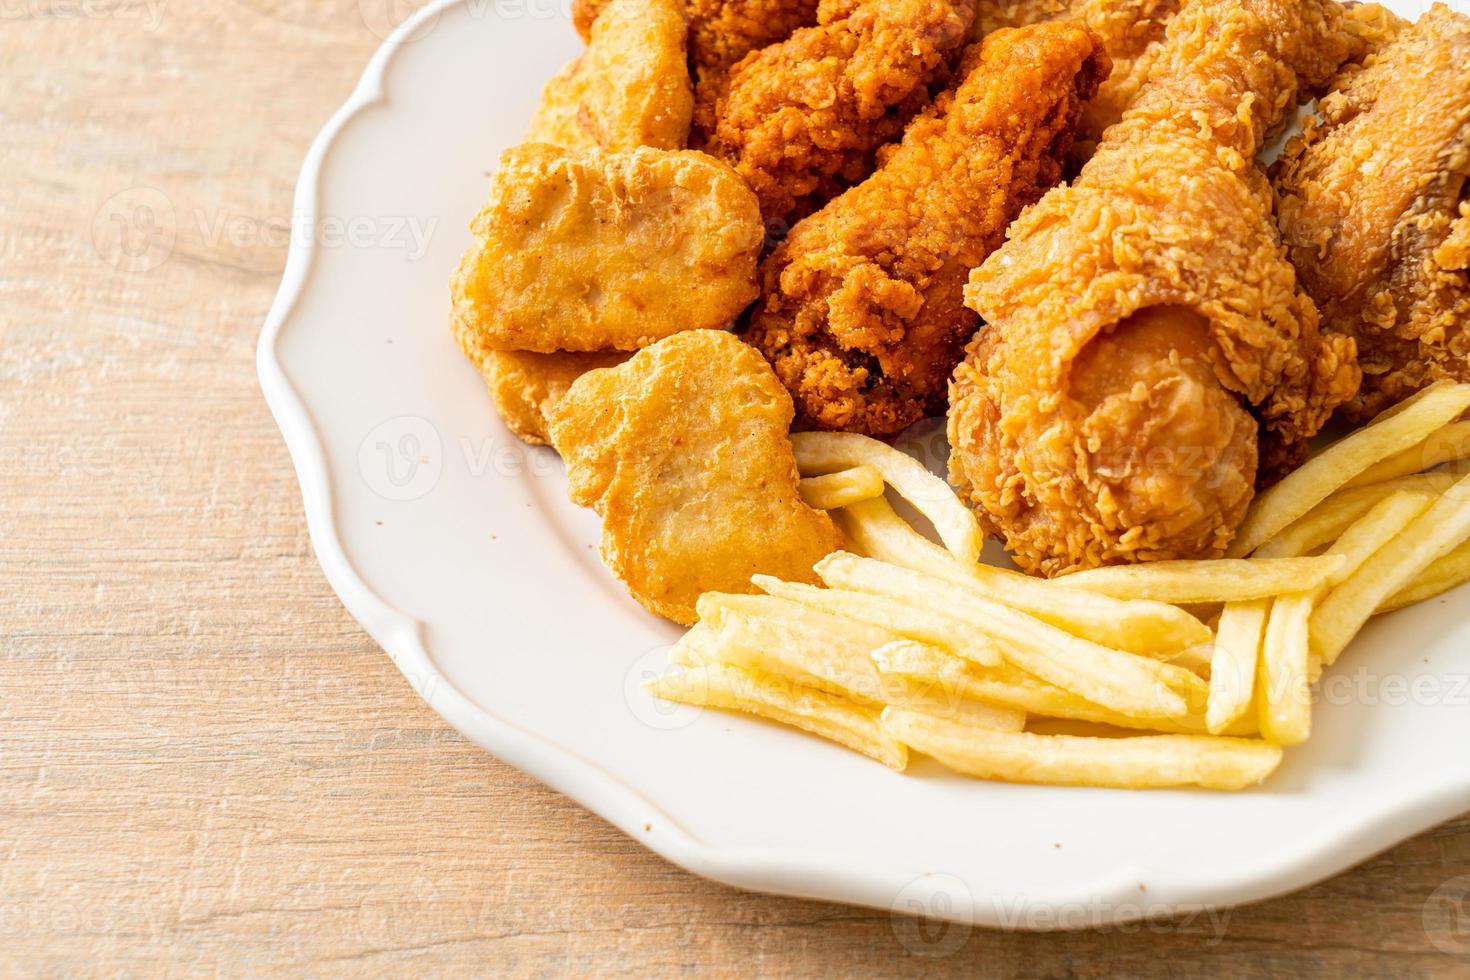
[{"x": 205, "y": 765}]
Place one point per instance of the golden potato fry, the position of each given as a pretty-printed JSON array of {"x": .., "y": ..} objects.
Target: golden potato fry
[
  {"x": 779, "y": 699},
  {"x": 1121, "y": 681},
  {"x": 930, "y": 697},
  {"x": 914, "y": 622},
  {"x": 838, "y": 489},
  {"x": 1211, "y": 580},
  {"x": 824, "y": 452},
  {"x": 1285, "y": 694},
  {"x": 524, "y": 385},
  {"x": 1142, "y": 626},
  {"x": 1138, "y": 762},
  {"x": 1233, "y": 667},
  {"x": 1326, "y": 522},
  {"x": 1196, "y": 659},
  {"x": 1442, "y": 575},
  {"x": 698, "y": 647},
  {"x": 1430, "y": 536},
  {"x": 1369, "y": 533},
  {"x": 629, "y": 88},
  {"x": 605, "y": 251},
  {"x": 683, "y": 451},
  {"x": 1401, "y": 427},
  {"x": 1446, "y": 444},
  {"x": 1286, "y": 667},
  {"x": 775, "y": 636},
  {"x": 1009, "y": 686}
]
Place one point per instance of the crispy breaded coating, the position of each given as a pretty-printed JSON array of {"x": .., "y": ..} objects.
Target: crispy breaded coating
[
  {"x": 629, "y": 88},
  {"x": 1375, "y": 206},
  {"x": 683, "y": 451},
  {"x": 800, "y": 120},
  {"x": 524, "y": 385},
  {"x": 1084, "y": 427},
  {"x": 862, "y": 312},
  {"x": 721, "y": 32},
  {"x": 605, "y": 251},
  {"x": 1132, "y": 31}
]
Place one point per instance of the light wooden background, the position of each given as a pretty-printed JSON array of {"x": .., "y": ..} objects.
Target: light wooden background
[{"x": 205, "y": 765}]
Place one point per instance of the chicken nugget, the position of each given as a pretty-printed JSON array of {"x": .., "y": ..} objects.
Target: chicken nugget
[
  {"x": 605, "y": 251},
  {"x": 684, "y": 452},
  {"x": 524, "y": 385},
  {"x": 629, "y": 88}
]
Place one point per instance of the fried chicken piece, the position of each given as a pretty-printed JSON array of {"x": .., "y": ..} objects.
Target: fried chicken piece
[
  {"x": 629, "y": 88},
  {"x": 683, "y": 451},
  {"x": 605, "y": 251},
  {"x": 1375, "y": 206},
  {"x": 862, "y": 312},
  {"x": 1132, "y": 31},
  {"x": 800, "y": 120},
  {"x": 1144, "y": 329},
  {"x": 721, "y": 32},
  {"x": 525, "y": 385}
]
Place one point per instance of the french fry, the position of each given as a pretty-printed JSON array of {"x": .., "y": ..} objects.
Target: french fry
[
  {"x": 810, "y": 647},
  {"x": 1284, "y": 694},
  {"x": 779, "y": 699},
  {"x": 1326, "y": 522},
  {"x": 931, "y": 697},
  {"x": 833, "y": 490},
  {"x": 1197, "y": 659},
  {"x": 1442, "y": 575},
  {"x": 1141, "y": 762},
  {"x": 1287, "y": 667},
  {"x": 1213, "y": 580},
  {"x": 1233, "y": 667},
  {"x": 1446, "y": 444},
  {"x": 1396, "y": 430},
  {"x": 1430, "y": 536},
  {"x": 1124, "y": 682},
  {"x": 824, "y": 452},
  {"x": 1011, "y": 687},
  {"x": 698, "y": 647},
  {"x": 1150, "y": 628},
  {"x": 1362, "y": 540},
  {"x": 915, "y": 622}
]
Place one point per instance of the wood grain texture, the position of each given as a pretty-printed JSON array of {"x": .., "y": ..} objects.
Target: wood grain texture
[{"x": 205, "y": 765}]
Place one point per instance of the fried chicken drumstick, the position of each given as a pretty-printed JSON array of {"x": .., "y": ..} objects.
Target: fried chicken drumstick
[
  {"x": 1375, "y": 206},
  {"x": 861, "y": 311},
  {"x": 800, "y": 120},
  {"x": 721, "y": 32},
  {"x": 1143, "y": 324},
  {"x": 1132, "y": 31}
]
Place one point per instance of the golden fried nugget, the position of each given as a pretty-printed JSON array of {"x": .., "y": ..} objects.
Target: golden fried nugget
[
  {"x": 605, "y": 251},
  {"x": 629, "y": 88},
  {"x": 525, "y": 385},
  {"x": 683, "y": 451}
]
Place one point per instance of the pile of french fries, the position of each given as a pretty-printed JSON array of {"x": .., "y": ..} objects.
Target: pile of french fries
[{"x": 1171, "y": 673}]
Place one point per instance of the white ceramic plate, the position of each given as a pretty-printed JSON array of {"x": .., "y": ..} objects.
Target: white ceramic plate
[{"x": 455, "y": 547}]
